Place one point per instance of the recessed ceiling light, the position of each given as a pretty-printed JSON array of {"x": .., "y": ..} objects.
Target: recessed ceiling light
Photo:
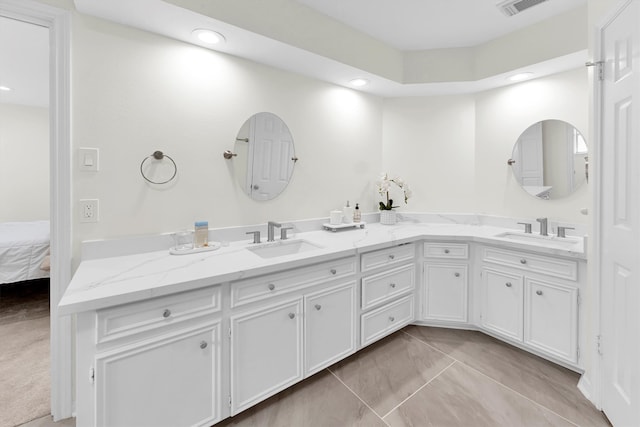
[
  {"x": 5, "y": 89},
  {"x": 359, "y": 82},
  {"x": 208, "y": 36},
  {"x": 520, "y": 77}
]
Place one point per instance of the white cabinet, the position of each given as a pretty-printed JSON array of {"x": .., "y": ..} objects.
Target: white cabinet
[
  {"x": 330, "y": 327},
  {"x": 445, "y": 287},
  {"x": 532, "y": 300},
  {"x": 502, "y": 303},
  {"x": 141, "y": 364},
  {"x": 145, "y": 385},
  {"x": 445, "y": 282},
  {"x": 551, "y": 315},
  {"x": 266, "y": 352}
]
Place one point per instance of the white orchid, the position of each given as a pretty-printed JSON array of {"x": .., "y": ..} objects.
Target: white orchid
[{"x": 384, "y": 186}]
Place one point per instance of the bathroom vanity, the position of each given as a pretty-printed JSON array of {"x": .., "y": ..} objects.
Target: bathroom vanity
[{"x": 193, "y": 339}]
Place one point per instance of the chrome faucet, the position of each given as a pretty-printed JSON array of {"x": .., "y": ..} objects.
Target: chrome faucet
[
  {"x": 543, "y": 226},
  {"x": 270, "y": 230}
]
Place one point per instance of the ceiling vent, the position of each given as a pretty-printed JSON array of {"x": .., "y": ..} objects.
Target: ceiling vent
[{"x": 513, "y": 7}]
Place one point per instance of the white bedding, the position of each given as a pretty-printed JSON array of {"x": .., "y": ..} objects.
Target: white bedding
[{"x": 23, "y": 248}]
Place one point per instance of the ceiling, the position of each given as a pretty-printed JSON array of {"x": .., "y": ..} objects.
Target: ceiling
[
  {"x": 404, "y": 25},
  {"x": 435, "y": 24}
]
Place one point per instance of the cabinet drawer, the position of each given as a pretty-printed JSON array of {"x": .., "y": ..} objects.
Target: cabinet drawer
[
  {"x": 387, "y": 257},
  {"x": 384, "y": 320},
  {"x": 382, "y": 287},
  {"x": 259, "y": 288},
  {"x": 565, "y": 269},
  {"x": 446, "y": 250},
  {"x": 129, "y": 319}
]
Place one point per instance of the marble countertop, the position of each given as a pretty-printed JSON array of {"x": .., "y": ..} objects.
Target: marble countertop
[{"x": 106, "y": 282}]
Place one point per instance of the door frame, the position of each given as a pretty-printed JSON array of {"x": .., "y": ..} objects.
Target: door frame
[{"x": 58, "y": 21}]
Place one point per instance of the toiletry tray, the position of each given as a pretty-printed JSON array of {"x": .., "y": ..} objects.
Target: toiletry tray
[
  {"x": 211, "y": 247},
  {"x": 336, "y": 227}
]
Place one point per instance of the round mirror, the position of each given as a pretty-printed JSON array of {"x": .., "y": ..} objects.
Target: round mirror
[
  {"x": 550, "y": 159},
  {"x": 265, "y": 156}
]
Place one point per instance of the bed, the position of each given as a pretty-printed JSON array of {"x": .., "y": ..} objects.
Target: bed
[{"x": 24, "y": 251}]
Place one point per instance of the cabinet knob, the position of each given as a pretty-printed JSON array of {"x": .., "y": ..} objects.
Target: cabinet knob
[
  {"x": 292, "y": 315},
  {"x": 508, "y": 284},
  {"x": 446, "y": 251},
  {"x": 393, "y": 285},
  {"x": 203, "y": 344},
  {"x": 318, "y": 307},
  {"x": 166, "y": 313},
  {"x": 392, "y": 319},
  {"x": 523, "y": 261},
  {"x": 456, "y": 274},
  {"x": 538, "y": 292},
  {"x": 333, "y": 271},
  {"x": 271, "y": 286},
  {"x": 392, "y": 256}
]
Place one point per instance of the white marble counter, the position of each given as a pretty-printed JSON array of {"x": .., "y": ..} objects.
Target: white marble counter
[{"x": 105, "y": 282}]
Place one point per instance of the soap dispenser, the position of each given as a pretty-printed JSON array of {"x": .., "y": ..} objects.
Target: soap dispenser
[{"x": 356, "y": 214}]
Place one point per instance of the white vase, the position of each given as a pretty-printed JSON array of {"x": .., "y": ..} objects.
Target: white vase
[{"x": 388, "y": 217}]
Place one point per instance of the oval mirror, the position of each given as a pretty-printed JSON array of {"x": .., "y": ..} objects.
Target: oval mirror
[
  {"x": 265, "y": 156},
  {"x": 550, "y": 159}
]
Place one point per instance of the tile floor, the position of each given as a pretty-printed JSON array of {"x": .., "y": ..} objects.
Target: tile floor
[{"x": 422, "y": 376}]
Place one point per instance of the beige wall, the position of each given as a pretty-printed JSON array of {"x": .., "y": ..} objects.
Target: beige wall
[{"x": 24, "y": 163}]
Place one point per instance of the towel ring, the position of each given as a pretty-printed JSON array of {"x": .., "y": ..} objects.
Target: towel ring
[{"x": 158, "y": 155}]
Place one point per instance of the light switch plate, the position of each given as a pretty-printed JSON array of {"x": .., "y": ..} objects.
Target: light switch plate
[{"x": 88, "y": 159}]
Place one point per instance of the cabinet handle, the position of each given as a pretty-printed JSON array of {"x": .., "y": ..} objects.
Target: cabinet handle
[
  {"x": 271, "y": 286},
  {"x": 456, "y": 274},
  {"x": 393, "y": 285},
  {"x": 166, "y": 313},
  {"x": 292, "y": 315},
  {"x": 318, "y": 307},
  {"x": 333, "y": 271},
  {"x": 508, "y": 284},
  {"x": 446, "y": 251},
  {"x": 392, "y": 319},
  {"x": 523, "y": 261},
  {"x": 538, "y": 292},
  {"x": 392, "y": 256},
  {"x": 203, "y": 344}
]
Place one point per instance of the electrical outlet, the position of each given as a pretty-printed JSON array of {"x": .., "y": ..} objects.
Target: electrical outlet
[{"x": 89, "y": 210}]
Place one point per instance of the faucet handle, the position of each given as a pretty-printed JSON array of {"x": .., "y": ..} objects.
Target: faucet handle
[
  {"x": 283, "y": 232},
  {"x": 527, "y": 227},
  {"x": 256, "y": 236},
  {"x": 561, "y": 231}
]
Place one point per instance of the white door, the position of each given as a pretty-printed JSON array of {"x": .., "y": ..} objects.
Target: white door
[
  {"x": 502, "y": 303},
  {"x": 272, "y": 152},
  {"x": 445, "y": 292},
  {"x": 330, "y": 327},
  {"x": 620, "y": 217},
  {"x": 529, "y": 158},
  {"x": 266, "y": 353}
]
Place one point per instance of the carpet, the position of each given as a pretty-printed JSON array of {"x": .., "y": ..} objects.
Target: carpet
[{"x": 24, "y": 354}]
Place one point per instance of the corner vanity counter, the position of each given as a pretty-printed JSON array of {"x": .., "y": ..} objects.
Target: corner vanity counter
[{"x": 193, "y": 339}]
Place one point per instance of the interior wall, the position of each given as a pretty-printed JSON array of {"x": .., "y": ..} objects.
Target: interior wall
[
  {"x": 139, "y": 92},
  {"x": 501, "y": 116},
  {"x": 430, "y": 142},
  {"x": 24, "y": 163}
]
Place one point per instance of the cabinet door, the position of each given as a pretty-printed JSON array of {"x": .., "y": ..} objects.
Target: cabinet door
[
  {"x": 266, "y": 352},
  {"x": 502, "y": 302},
  {"x": 551, "y": 318},
  {"x": 330, "y": 327},
  {"x": 172, "y": 381},
  {"x": 445, "y": 287}
]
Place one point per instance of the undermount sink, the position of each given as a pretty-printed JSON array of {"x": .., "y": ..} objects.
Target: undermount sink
[
  {"x": 536, "y": 239},
  {"x": 282, "y": 248}
]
